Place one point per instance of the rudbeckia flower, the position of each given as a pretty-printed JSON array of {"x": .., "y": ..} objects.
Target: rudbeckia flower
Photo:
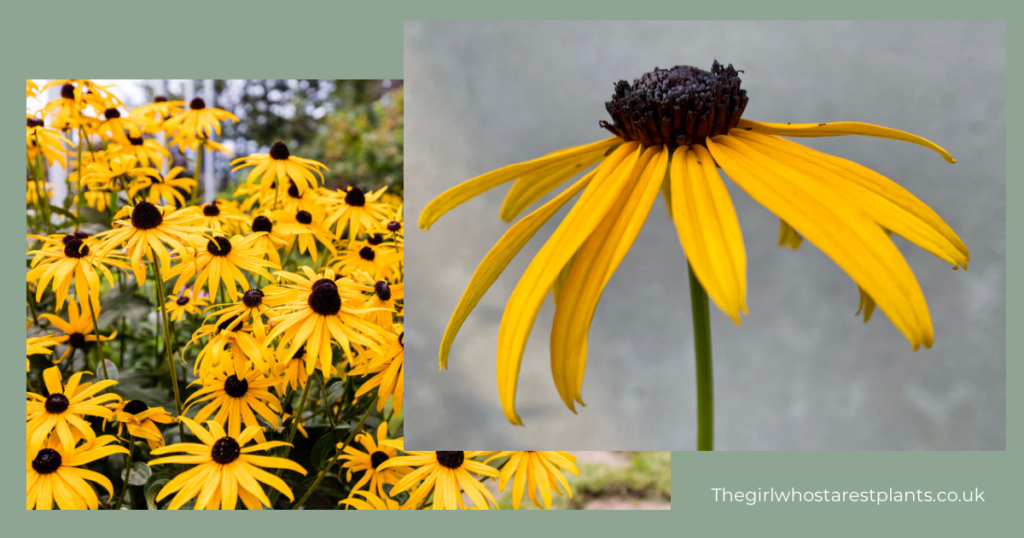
[
  {"x": 198, "y": 121},
  {"x": 315, "y": 311},
  {"x": 187, "y": 302},
  {"x": 290, "y": 369},
  {"x": 368, "y": 460},
  {"x": 145, "y": 150},
  {"x": 78, "y": 329},
  {"x": 673, "y": 129},
  {"x": 67, "y": 109},
  {"x": 73, "y": 260},
  {"x": 56, "y": 474},
  {"x": 141, "y": 420},
  {"x": 353, "y": 210},
  {"x": 268, "y": 237},
  {"x": 273, "y": 168},
  {"x": 386, "y": 368},
  {"x": 375, "y": 259},
  {"x": 114, "y": 173},
  {"x": 221, "y": 262},
  {"x": 159, "y": 110},
  {"x": 39, "y": 345},
  {"x": 114, "y": 125},
  {"x": 225, "y": 470},
  {"x": 51, "y": 143},
  {"x": 150, "y": 229},
  {"x": 535, "y": 471},
  {"x": 302, "y": 227},
  {"x": 220, "y": 216},
  {"x": 382, "y": 297},
  {"x": 63, "y": 408},
  {"x": 235, "y": 395},
  {"x": 447, "y": 475},
  {"x": 231, "y": 345},
  {"x": 369, "y": 501},
  {"x": 167, "y": 189}
]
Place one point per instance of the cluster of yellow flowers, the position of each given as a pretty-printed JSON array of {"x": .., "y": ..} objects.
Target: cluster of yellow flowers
[{"x": 287, "y": 285}]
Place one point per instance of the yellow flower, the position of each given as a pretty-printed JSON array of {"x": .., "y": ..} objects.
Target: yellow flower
[
  {"x": 302, "y": 227},
  {"x": 387, "y": 369},
  {"x": 198, "y": 121},
  {"x": 265, "y": 235},
  {"x": 34, "y": 191},
  {"x": 72, "y": 259},
  {"x": 368, "y": 460},
  {"x": 354, "y": 210},
  {"x": 535, "y": 471},
  {"x": 221, "y": 262},
  {"x": 159, "y": 110},
  {"x": 235, "y": 395},
  {"x": 279, "y": 165},
  {"x": 225, "y": 470},
  {"x": 838, "y": 205},
  {"x": 39, "y": 345},
  {"x": 51, "y": 143},
  {"x": 55, "y": 474},
  {"x": 141, "y": 420},
  {"x": 146, "y": 151},
  {"x": 77, "y": 330},
  {"x": 63, "y": 408},
  {"x": 114, "y": 125},
  {"x": 163, "y": 190},
  {"x": 447, "y": 475},
  {"x": 150, "y": 229},
  {"x": 369, "y": 501}
]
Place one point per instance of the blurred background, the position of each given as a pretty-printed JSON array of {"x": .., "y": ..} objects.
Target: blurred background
[
  {"x": 803, "y": 372},
  {"x": 352, "y": 126}
]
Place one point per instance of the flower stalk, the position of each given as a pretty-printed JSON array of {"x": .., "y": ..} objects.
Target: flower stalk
[{"x": 702, "y": 349}]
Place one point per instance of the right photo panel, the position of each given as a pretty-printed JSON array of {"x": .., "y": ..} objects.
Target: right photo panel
[{"x": 648, "y": 236}]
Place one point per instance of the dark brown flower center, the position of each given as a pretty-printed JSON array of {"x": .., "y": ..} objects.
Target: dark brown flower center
[
  {"x": 135, "y": 141},
  {"x": 678, "y": 106},
  {"x": 262, "y": 224},
  {"x": 134, "y": 407},
  {"x": 219, "y": 246},
  {"x": 146, "y": 216},
  {"x": 47, "y": 461},
  {"x": 355, "y": 197},
  {"x": 234, "y": 387},
  {"x": 303, "y": 217},
  {"x": 378, "y": 458},
  {"x": 367, "y": 254},
  {"x": 56, "y": 403},
  {"x": 293, "y": 190},
  {"x": 252, "y": 298},
  {"x": 375, "y": 239},
  {"x": 211, "y": 210},
  {"x": 76, "y": 340},
  {"x": 197, "y": 104},
  {"x": 75, "y": 248},
  {"x": 383, "y": 290},
  {"x": 451, "y": 460},
  {"x": 225, "y": 450},
  {"x": 324, "y": 298},
  {"x": 34, "y": 122},
  {"x": 394, "y": 226},
  {"x": 279, "y": 151},
  {"x": 67, "y": 91},
  {"x": 111, "y": 113},
  {"x": 401, "y": 340},
  {"x": 182, "y": 301},
  {"x": 159, "y": 99}
]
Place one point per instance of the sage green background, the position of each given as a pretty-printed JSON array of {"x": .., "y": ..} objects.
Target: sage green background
[{"x": 321, "y": 39}]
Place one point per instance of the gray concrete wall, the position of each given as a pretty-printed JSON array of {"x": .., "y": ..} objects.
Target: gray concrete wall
[{"x": 802, "y": 373}]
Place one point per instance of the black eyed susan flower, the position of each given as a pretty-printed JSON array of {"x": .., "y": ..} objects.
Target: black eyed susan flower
[
  {"x": 369, "y": 501},
  {"x": 163, "y": 190},
  {"x": 221, "y": 262},
  {"x": 291, "y": 372},
  {"x": 121, "y": 129},
  {"x": 113, "y": 173},
  {"x": 383, "y": 298},
  {"x": 220, "y": 216},
  {"x": 265, "y": 235},
  {"x": 78, "y": 329},
  {"x": 237, "y": 396},
  {"x": 159, "y": 110},
  {"x": 315, "y": 311},
  {"x": 186, "y": 302},
  {"x": 301, "y": 226},
  {"x": 368, "y": 460},
  {"x": 31, "y": 88},
  {"x": 141, "y": 420},
  {"x": 49, "y": 142},
  {"x": 55, "y": 474},
  {"x": 145, "y": 150},
  {"x": 683, "y": 123},
  {"x": 273, "y": 168},
  {"x": 63, "y": 408},
  {"x": 387, "y": 369},
  {"x": 365, "y": 256},
  {"x": 230, "y": 346},
  {"x": 225, "y": 470},
  {"x": 535, "y": 471},
  {"x": 75, "y": 96},
  {"x": 72, "y": 259},
  {"x": 353, "y": 210},
  {"x": 150, "y": 229},
  {"x": 199, "y": 121},
  {"x": 447, "y": 474},
  {"x": 39, "y": 345}
]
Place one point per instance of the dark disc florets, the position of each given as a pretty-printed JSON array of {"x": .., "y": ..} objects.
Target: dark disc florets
[
  {"x": 252, "y": 298},
  {"x": 76, "y": 340},
  {"x": 293, "y": 190},
  {"x": 378, "y": 458},
  {"x": 134, "y": 407},
  {"x": 219, "y": 246},
  {"x": 678, "y": 106},
  {"x": 234, "y": 387},
  {"x": 383, "y": 290},
  {"x": 355, "y": 197},
  {"x": 182, "y": 301},
  {"x": 451, "y": 460},
  {"x": 160, "y": 99},
  {"x": 324, "y": 298},
  {"x": 146, "y": 216},
  {"x": 367, "y": 254},
  {"x": 303, "y": 217},
  {"x": 56, "y": 403},
  {"x": 225, "y": 450},
  {"x": 67, "y": 91},
  {"x": 394, "y": 226},
  {"x": 111, "y": 113},
  {"x": 34, "y": 122},
  {"x": 401, "y": 340},
  {"x": 47, "y": 461},
  {"x": 279, "y": 151},
  {"x": 135, "y": 141},
  {"x": 375, "y": 239},
  {"x": 211, "y": 210},
  {"x": 197, "y": 104},
  {"x": 75, "y": 248},
  {"x": 262, "y": 224}
]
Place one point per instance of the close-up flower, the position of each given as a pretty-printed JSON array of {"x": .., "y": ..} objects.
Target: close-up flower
[
  {"x": 369, "y": 459},
  {"x": 141, "y": 420},
  {"x": 56, "y": 474},
  {"x": 536, "y": 472},
  {"x": 199, "y": 121},
  {"x": 271, "y": 170},
  {"x": 63, "y": 407},
  {"x": 446, "y": 475},
  {"x": 79, "y": 329}
]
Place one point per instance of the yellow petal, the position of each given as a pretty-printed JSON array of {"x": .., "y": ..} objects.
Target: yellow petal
[{"x": 530, "y": 188}]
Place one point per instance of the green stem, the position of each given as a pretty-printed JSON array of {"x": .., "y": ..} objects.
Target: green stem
[
  {"x": 79, "y": 190},
  {"x": 323, "y": 396},
  {"x": 199, "y": 172},
  {"x": 702, "y": 348},
  {"x": 127, "y": 473},
  {"x": 96, "y": 329},
  {"x": 167, "y": 341},
  {"x": 340, "y": 450},
  {"x": 297, "y": 417}
]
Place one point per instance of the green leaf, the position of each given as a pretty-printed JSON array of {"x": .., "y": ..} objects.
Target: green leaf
[
  {"x": 127, "y": 303},
  {"x": 153, "y": 485},
  {"x": 139, "y": 475},
  {"x": 323, "y": 450}
]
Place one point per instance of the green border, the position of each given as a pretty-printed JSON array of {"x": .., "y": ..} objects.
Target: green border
[{"x": 325, "y": 39}]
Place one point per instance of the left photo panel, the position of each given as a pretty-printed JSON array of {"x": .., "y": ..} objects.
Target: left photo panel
[{"x": 214, "y": 305}]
